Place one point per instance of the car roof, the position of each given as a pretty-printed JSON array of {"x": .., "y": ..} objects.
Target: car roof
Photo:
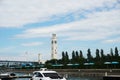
[{"x": 45, "y": 71}]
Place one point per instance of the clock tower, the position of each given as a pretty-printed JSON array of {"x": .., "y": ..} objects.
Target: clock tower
[{"x": 54, "y": 46}]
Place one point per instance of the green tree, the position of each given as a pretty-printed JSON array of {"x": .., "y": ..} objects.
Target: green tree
[
  {"x": 73, "y": 57},
  {"x": 81, "y": 54},
  {"x": 108, "y": 58},
  {"x": 89, "y": 56},
  {"x": 77, "y": 57},
  {"x": 66, "y": 58},
  {"x": 97, "y": 54},
  {"x": 102, "y": 55},
  {"x": 52, "y": 61},
  {"x": 81, "y": 58},
  {"x": 63, "y": 57},
  {"x": 116, "y": 54},
  {"x": 97, "y": 59},
  {"x": 111, "y": 54}
]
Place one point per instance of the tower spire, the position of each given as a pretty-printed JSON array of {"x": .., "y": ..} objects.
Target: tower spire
[{"x": 54, "y": 47}]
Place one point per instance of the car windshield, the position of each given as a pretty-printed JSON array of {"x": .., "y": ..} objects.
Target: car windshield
[{"x": 52, "y": 75}]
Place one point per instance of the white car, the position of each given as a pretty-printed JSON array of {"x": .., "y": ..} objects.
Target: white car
[{"x": 45, "y": 74}]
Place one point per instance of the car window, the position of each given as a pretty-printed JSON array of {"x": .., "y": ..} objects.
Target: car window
[
  {"x": 39, "y": 75},
  {"x": 35, "y": 73},
  {"x": 52, "y": 75}
]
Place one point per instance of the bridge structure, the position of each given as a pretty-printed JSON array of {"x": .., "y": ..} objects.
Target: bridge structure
[{"x": 12, "y": 64}]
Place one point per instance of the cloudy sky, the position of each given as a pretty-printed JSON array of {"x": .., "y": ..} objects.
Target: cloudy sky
[{"x": 26, "y": 27}]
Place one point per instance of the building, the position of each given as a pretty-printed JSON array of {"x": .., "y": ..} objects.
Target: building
[{"x": 54, "y": 46}]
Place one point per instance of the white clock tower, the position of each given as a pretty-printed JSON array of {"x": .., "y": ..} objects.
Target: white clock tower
[{"x": 54, "y": 47}]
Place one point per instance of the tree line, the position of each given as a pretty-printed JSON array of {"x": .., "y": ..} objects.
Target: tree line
[{"x": 100, "y": 60}]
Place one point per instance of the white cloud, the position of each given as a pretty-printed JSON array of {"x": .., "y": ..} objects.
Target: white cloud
[
  {"x": 32, "y": 44},
  {"x": 98, "y": 25},
  {"x": 7, "y": 49},
  {"x": 114, "y": 40},
  {"x": 14, "y": 13}
]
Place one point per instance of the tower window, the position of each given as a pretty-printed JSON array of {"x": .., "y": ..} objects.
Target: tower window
[
  {"x": 55, "y": 41},
  {"x": 52, "y": 42}
]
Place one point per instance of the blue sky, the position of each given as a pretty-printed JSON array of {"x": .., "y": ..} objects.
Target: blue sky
[{"x": 26, "y": 27}]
